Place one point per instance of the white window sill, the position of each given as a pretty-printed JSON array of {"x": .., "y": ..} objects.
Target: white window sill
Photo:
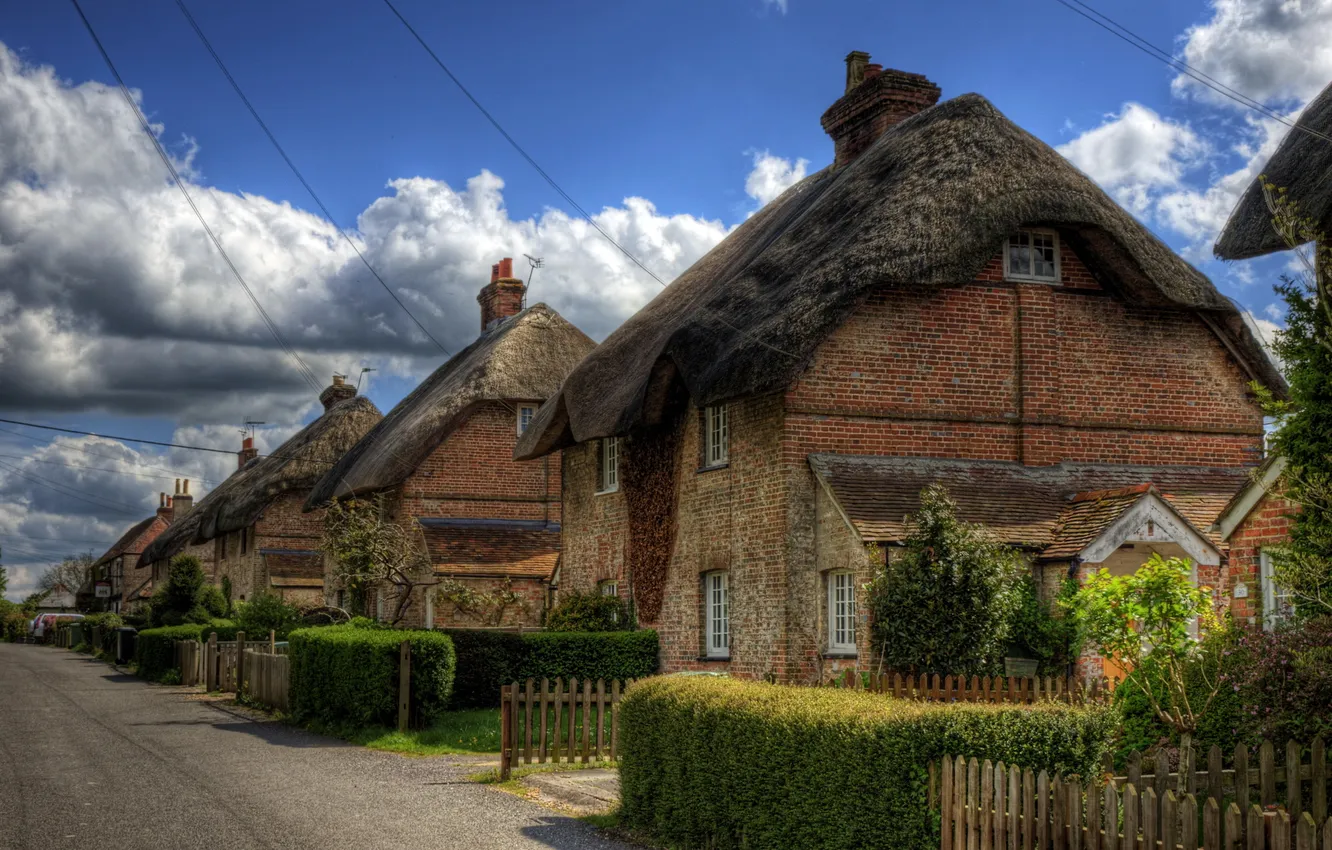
[
  {"x": 614, "y": 489},
  {"x": 1017, "y": 279}
]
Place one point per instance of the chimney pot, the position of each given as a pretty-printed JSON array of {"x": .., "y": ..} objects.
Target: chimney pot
[
  {"x": 169, "y": 501},
  {"x": 187, "y": 486},
  {"x": 161, "y": 500},
  {"x": 875, "y": 100},
  {"x": 503, "y": 296},
  {"x": 177, "y": 486},
  {"x": 248, "y": 452},
  {"x": 338, "y": 391}
]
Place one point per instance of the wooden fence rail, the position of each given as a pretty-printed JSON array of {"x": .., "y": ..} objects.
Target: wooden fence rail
[
  {"x": 560, "y": 720},
  {"x": 985, "y": 806},
  {"x": 1249, "y": 777},
  {"x": 268, "y": 678},
  {"x": 997, "y": 689}
]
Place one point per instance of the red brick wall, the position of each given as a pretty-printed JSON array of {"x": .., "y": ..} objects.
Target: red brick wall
[
  {"x": 1268, "y": 524},
  {"x": 526, "y": 611}
]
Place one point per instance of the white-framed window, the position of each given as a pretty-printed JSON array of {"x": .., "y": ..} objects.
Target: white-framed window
[
  {"x": 716, "y": 435},
  {"x": 610, "y": 587},
  {"x": 842, "y": 612},
  {"x": 608, "y": 465},
  {"x": 1277, "y": 605},
  {"x": 1032, "y": 255},
  {"x": 717, "y": 614},
  {"x": 525, "y": 414}
]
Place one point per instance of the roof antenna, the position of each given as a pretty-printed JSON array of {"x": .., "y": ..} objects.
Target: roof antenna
[
  {"x": 248, "y": 430},
  {"x": 535, "y": 263},
  {"x": 364, "y": 369}
]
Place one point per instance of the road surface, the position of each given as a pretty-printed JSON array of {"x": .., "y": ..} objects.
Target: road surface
[{"x": 90, "y": 757}]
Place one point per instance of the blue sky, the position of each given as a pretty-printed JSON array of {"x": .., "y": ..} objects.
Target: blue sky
[{"x": 671, "y": 122}]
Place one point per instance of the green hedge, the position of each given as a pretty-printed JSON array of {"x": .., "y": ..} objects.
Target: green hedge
[
  {"x": 717, "y": 762},
  {"x": 488, "y": 660},
  {"x": 344, "y": 675},
  {"x": 155, "y": 649}
]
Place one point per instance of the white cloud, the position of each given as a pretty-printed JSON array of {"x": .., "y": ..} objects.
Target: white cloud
[
  {"x": 1276, "y": 51},
  {"x": 772, "y": 175},
  {"x": 779, "y": 5},
  {"x": 1136, "y": 154}
]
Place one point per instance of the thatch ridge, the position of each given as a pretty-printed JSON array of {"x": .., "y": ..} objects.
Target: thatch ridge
[
  {"x": 1302, "y": 165},
  {"x": 929, "y": 204},
  {"x": 525, "y": 357}
]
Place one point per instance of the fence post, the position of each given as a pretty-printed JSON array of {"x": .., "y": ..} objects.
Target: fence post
[
  {"x": 210, "y": 671},
  {"x": 272, "y": 642},
  {"x": 506, "y": 735},
  {"x": 404, "y": 684},
  {"x": 240, "y": 663}
]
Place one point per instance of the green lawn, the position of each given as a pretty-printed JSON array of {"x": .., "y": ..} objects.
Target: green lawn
[{"x": 473, "y": 731}]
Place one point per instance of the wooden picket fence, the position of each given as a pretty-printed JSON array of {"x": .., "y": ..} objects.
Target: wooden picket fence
[
  {"x": 997, "y": 689},
  {"x": 985, "y": 806},
  {"x": 571, "y": 721},
  {"x": 1304, "y": 785},
  {"x": 217, "y": 664},
  {"x": 268, "y": 678}
]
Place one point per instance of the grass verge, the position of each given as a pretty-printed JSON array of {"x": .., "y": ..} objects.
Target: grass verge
[{"x": 458, "y": 732}]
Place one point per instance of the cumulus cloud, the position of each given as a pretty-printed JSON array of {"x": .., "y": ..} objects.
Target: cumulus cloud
[
  {"x": 1276, "y": 51},
  {"x": 773, "y": 175},
  {"x": 1136, "y": 154},
  {"x": 106, "y": 276}
]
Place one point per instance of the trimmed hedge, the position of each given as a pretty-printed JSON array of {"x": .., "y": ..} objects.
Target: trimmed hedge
[
  {"x": 345, "y": 675},
  {"x": 155, "y": 649},
  {"x": 716, "y": 762},
  {"x": 489, "y": 660}
]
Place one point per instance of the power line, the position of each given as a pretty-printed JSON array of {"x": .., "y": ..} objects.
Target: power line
[
  {"x": 551, "y": 180},
  {"x": 69, "y": 492},
  {"x": 56, "y": 539},
  {"x": 299, "y": 176},
  {"x": 301, "y": 367},
  {"x": 171, "y": 473},
  {"x": 91, "y": 468},
  {"x": 1125, "y": 34}
]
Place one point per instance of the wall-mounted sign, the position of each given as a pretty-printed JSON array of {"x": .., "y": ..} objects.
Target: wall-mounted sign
[{"x": 103, "y": 589}]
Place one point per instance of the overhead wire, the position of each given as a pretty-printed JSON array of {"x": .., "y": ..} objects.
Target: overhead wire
[
  {"x": 171, "y": 473},
  {"x": 299, "y": 176},
  {"x": 124, "y": 472},
  {"x": 301, "y": 366},
  {"x": 1123, "y": 33},
  {"x": 494, "y": 122},
  {"x": 70, "y": 493}
]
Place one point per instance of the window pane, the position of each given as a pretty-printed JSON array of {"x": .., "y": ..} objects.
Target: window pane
[
  {"x": 719, "y": 639},
  {"x": 1043, "y": 255},
  {"x": 1019, "y": 254}
]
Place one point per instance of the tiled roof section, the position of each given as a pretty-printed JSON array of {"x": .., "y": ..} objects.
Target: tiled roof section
[
  {"x": 493, "y": 550},
  {"x": 294, "y": 568},
  {"x": 135, "y": 540},
  {"x": 1087, "y": 516},
  {"x": 1024, "y": 505}
]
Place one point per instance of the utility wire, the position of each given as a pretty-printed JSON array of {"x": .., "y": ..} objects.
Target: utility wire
[
  {"x": 92, "y": 468},
  {"x": 69, "y": 492},
  {"x": 171, "y": 473},
  {"x": 299, "y": 176},
  {"x": 551, "y": 180},
  {"x": 1123, "y": 33},
  {"x": 301, "y": 367},
  {"x": 55, "y": 539},
  {"x": 60, "y": 486}
]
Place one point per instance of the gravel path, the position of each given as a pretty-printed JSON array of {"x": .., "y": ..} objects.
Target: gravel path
[{"x": 90, "y": 757}]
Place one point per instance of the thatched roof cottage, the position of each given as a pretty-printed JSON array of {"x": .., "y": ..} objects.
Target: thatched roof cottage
[
  {"x": 251, "y": 529},
  {"x": 443, "y": 457},
  {"x": 951, "y": 300},
  {"x": 119, "y": 566}
]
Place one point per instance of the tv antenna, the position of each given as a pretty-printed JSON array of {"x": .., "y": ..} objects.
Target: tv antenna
[
  {"x": 248, "y": 430},
  {"x": 535, "y": 263},
  {"x": 364, "y": 369}
]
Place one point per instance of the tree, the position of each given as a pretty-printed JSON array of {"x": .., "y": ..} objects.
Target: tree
[
  {"x": 369, "y": 550},
  {"x": 1303, "y": 434},
  {"x": 186, "y": 597},
  {"x": 69, "y": 574},
  {"x": 943, "y": 605},
  {"x": 4, "y": 580},
  {"x": 1145, "y": 621}
]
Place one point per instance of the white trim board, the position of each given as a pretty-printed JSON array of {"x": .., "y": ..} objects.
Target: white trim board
[{"x": 1151, "y": 519}]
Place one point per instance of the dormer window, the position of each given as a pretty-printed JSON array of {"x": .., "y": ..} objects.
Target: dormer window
[
  {"x": 1032, "y": 255},
  {"x": 525, "y": 414}
]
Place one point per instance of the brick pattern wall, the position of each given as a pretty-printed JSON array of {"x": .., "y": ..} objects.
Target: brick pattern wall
[
  {"x": 1028, "y": 373},
  {"x": 526, "y": 612},
  {"x": 281, "y": 525},
  {"x": 1268, "y": 524}
]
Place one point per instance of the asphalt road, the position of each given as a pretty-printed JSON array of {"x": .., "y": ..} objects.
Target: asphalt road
[{"x": 90, "y": 757}]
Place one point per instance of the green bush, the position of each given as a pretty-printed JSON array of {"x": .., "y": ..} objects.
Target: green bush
[
  {"x": 717, "y": 762},
  {"x": 343, "y": 675},
  {"x": 265, "y": 613},
  {"x": 1042, "y": 631},
  {"x": 155, "y": 649},
  {"x": 589, "y": 612},
  {"x": 488, "y": 660}
]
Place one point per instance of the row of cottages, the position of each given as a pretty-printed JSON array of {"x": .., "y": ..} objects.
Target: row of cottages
[
  {"x": 118, "y": 569},
  {"x": 950, "y": 301},
  {"x": 1258, "y": 518},
  {"x": 442, "y": 462},
  {"x": 251, "y": 530}
]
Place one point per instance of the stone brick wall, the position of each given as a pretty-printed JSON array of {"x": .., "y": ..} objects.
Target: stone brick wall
[
  {"x": 1268, "y": 524},
  {"x": 1027, "y": 373},
  {"x": 527, "y": 611}
]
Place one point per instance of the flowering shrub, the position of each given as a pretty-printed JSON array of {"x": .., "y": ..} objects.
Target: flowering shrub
[{"x": 1285, "y": 681}]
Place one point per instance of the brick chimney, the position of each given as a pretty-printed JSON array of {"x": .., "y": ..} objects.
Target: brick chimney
[
  {"x": 182, "y": 502},
  {"x": 248, "y": 452},
  {"x": 164, "y": 506},
  {"x": 875, "y": 99},
  {"x": 337, "y": 391},
  {"x": 502, "y": 297}
]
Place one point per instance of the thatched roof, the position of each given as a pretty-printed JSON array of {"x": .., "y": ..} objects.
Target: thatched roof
[
  {"x": 523, "y": 358},
  {"x": 1302, "y": 165},
  {"x": 928, "y": 204},
  {"x": 296, "y": 465}
]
